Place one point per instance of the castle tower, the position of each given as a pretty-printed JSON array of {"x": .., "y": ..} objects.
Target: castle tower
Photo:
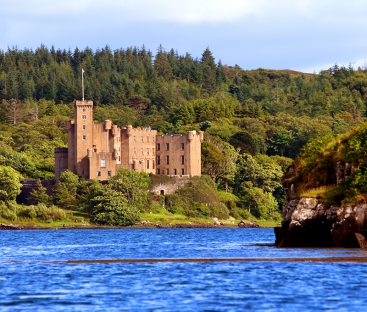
[{"x": 83, "y": 136}]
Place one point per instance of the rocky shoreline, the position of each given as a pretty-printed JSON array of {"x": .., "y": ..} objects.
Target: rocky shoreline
[{"x": 307, "y": 222}]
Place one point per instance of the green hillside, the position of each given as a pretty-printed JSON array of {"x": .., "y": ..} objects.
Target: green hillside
[{"x": 256, "y": 122}]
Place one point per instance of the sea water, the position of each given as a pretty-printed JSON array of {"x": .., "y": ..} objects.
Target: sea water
[{"x": 173, "y": 270}]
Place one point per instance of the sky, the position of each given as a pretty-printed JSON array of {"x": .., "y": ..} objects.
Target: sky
[{"x": 305, "y": 35}]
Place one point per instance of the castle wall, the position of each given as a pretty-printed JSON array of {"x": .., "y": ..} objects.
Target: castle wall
[
  {"x": 179, "y": 155},
  {"x": 61, "y": 161},
  {"x": 138, "y": 149},
  {"x": 71, "y": 145}
]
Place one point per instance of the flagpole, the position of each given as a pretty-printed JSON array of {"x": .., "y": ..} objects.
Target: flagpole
[{"x": 83, "y": 84}]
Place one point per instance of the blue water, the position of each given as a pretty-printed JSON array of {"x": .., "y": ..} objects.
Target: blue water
[{"x": 34, "y": 277}]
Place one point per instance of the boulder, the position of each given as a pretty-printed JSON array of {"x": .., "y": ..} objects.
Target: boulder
[{"x": 309, "y": 223}]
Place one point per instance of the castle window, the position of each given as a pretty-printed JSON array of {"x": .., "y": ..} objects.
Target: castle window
[
  {"x": 84, "y": 127},
  {"x": 84, "y": 117},
  {"x": 175, "y": 171},
  {"x": 158, "y": 160},
  {"x": 148, "y": 151},
  {"x": 182, "y": 171},
  {"x": 167, "y": 146},
  {"x": 142, "y": 139},
  {"x": 147, "y": 163},
  {"x": 103, "y": 163},
  {"x": 167, "y": 171},
  {"x": 98, "y": 173},
  {"x": 182, "y": 146},
  {"x": 163, "y": 171},
  {"x": 84, "y": 109},
  {"x": 158, "y": 171},
  {"x": 153, "y": 164},
  {"x": 84, "y": 137},
  {"x": 167, "y": 160},
  {"x": 158, "y": 146},
  {"x": 109, "y": 173},
  {"x": 182, "y": 159},
  {"x": 153, "y": 151}
]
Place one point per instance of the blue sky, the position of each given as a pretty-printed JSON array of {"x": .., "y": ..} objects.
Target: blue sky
[{"x": 306, "y": 35}]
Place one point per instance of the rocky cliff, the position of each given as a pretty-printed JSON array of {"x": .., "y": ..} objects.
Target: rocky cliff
[
  {"x": 308, "y": 223},
  {"x": 327, "y": 193}
]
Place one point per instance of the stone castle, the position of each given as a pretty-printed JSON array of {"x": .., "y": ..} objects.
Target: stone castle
[{"x": 97, "y": 151}]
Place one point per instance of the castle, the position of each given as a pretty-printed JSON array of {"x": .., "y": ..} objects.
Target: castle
[{"x": 97, "y": 151}]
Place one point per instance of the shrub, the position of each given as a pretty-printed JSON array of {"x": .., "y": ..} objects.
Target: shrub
[
  {"x": 111, "y": 207},
  {"x": 197, "y": 198},
  {"x": 7, "y": 213}
]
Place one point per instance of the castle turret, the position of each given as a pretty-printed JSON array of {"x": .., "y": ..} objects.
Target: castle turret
[{"x": 83, "y": 120}]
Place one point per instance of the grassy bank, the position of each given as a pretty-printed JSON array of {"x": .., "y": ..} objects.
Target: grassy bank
[{"x": 147, "y": 220}]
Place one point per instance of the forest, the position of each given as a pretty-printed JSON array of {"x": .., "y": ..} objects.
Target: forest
[{"x": 256, "y": 123}]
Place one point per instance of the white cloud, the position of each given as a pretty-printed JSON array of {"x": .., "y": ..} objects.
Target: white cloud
[{"x": 359, "y": 62}]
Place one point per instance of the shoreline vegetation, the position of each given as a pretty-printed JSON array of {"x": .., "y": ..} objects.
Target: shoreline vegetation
[{"x": 154, "y": 221}]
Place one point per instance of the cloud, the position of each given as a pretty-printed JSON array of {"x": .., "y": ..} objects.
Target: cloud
[
  {"x": 252, "y": 33},
  {"x": 188, "y": 11}
]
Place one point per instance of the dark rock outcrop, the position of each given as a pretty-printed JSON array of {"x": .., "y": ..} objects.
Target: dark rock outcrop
[
  {"x": 9, "y": 227},
  {"x": 244, "y": 224},
  {"x": 308, "y": 223}
]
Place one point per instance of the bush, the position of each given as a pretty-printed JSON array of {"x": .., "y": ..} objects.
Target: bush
[
  {"x": 41, "y": 212},
  {"x": 198, "y": 198},
  {"x": 111, "y": 207},
  {"x": 7, "y": 213},
  {"x": 27, "y": 212}
]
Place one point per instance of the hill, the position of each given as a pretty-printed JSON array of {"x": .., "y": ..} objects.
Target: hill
[{"x": 256, "y": 122}]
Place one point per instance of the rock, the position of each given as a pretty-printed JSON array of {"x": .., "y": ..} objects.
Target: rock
[
  {"x": 9, "y": 227},
  {"x": 243, "y": 224},
  {"x": 309, "y": 223},
  {"x": 361, "y": 240}
]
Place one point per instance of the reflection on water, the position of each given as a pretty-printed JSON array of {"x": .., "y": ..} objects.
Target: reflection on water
[{"x": 174, "y": 269}]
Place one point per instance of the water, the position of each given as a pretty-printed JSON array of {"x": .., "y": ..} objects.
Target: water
[{"x": 34, "y": 275}]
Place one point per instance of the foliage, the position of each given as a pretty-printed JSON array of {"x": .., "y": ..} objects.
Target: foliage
[
  {"x": 197, "y": 198},
  {"x": 39, "y": 194},
  {"x": 111, "y": 207},
  {"x": 9, "y": 184},
  {"x": 133, "y": 186},
  {"x": 66, "y": 190},
  {"x": 315, "y": 171}
]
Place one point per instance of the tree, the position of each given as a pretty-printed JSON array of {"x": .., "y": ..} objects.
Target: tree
[
  {"x": 66, "y": 190},
  {"x": 10, "y": 185},
  {"x": 132, "y": 185},
  {"x": 111, "y": 207},
  {"x": 219, "y": 161},
  {"x": 209, "y": 71},
  {"x": 262, "y": 203},
  {"x": 39, "y": 194}
]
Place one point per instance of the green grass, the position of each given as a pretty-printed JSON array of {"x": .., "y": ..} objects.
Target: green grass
[
  {"x": 318, "y": 192},
  {"x": 268, "y": 223}
]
